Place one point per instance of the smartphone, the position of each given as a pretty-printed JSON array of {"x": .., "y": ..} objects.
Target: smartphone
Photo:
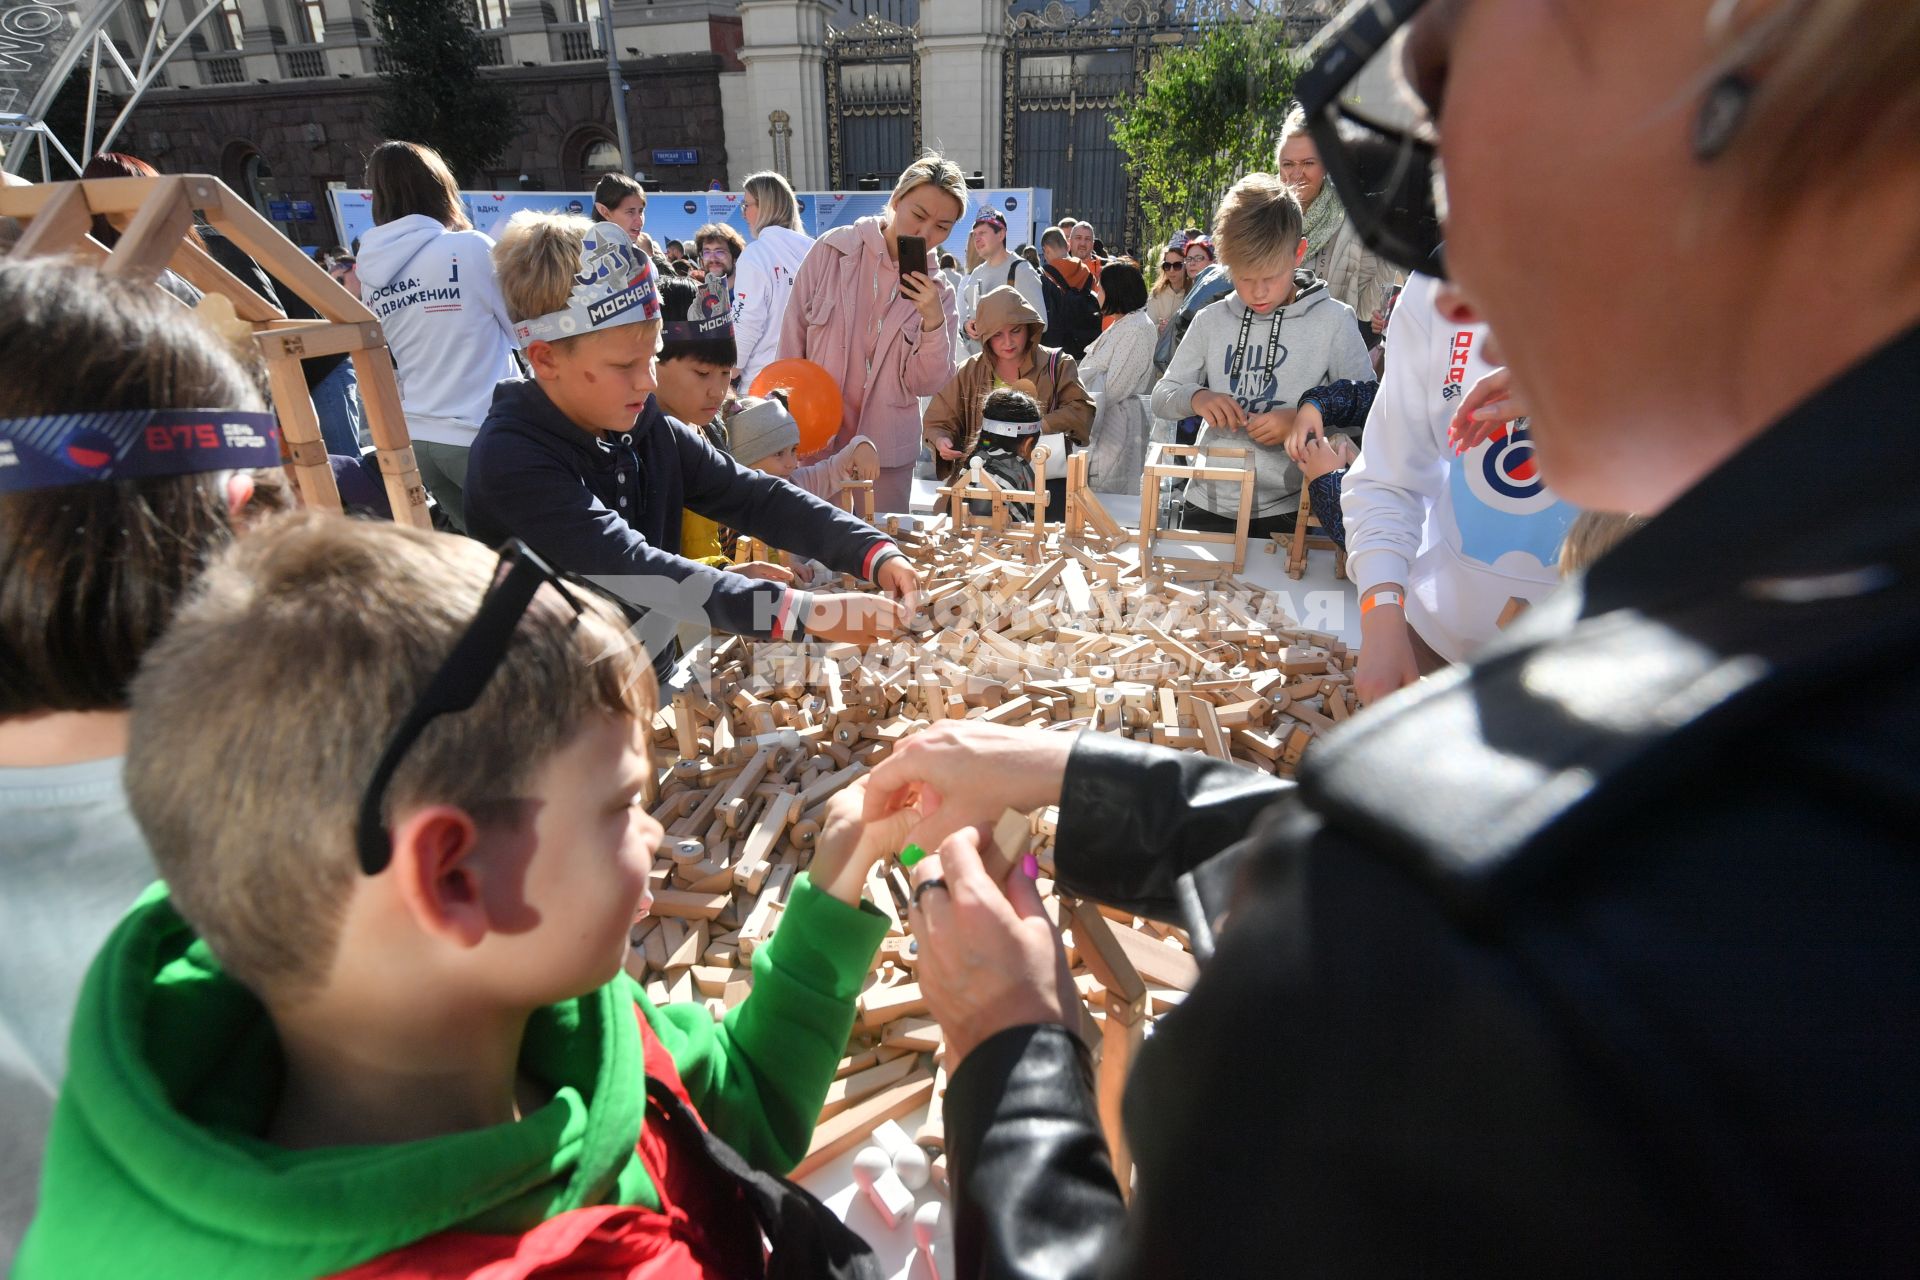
[{"x": 913, "y": 256}]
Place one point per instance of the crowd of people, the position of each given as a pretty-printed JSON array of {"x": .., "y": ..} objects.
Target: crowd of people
[{"x": 1587, "y": 951}]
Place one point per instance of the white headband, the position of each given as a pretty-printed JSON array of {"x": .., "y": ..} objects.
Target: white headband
[
  {"x": 613, "y": 287},
  {"x": 1001, "y": 427}
]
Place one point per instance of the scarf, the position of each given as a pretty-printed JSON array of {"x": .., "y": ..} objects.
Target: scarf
[{"x": 1324, "y": 217}]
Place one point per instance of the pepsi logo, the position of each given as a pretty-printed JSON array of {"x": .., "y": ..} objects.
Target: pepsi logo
[{"x": 88, "y": 450}]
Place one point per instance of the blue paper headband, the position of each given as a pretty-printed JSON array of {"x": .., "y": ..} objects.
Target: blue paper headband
[{"x": 59, "y": 449}]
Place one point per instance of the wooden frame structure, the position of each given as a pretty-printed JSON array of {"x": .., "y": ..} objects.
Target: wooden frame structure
[
  {"x": 1300, "y": 541},
  {"x": 1000, "y": 519},
  {"x": 154, "y": 216},
  {"x": 1161, "y": 467},
  {"x": 1085, "y": 512}
]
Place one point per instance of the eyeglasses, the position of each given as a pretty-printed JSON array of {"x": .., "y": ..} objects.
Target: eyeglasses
[
  {"x": 1373, "y": 133},
  {"x": 459, "y": 682}
]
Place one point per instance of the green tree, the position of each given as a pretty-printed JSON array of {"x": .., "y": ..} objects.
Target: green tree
[
  {"x": 432, "y": 90},
  {"x": 1209, "y": 112}
]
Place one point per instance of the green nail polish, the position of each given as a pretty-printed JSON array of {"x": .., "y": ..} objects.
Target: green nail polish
[{"x": 911, "y": 854}]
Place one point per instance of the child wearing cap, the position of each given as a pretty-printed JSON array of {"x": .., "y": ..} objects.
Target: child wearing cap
[
  {"x": 376, "y": 1023},
  {"x": 581, "y": 464},
  {"x": 764, "y": 436}
]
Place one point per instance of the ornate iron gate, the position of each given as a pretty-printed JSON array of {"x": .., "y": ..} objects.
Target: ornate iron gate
[
  {"x": 1069, "y": 68},
  {"x": 873, "y": 101}
]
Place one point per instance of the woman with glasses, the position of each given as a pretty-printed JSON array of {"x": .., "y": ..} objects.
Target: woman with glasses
[
  {"x": 1171, "y": 287},
  {"x": 1594, "y": 955}
]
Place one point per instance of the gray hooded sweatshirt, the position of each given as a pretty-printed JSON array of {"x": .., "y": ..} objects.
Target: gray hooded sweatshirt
[{"x": 1309, "y": 342}]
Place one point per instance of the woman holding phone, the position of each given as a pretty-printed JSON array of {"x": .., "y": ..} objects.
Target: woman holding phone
[{"x": 871, "y": 309}]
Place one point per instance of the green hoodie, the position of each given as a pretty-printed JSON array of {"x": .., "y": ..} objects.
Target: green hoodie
[{"x": 154, "y": 1167}]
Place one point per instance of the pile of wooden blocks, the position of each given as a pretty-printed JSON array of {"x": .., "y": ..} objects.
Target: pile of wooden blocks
[{"x": 1084, "y": 640}]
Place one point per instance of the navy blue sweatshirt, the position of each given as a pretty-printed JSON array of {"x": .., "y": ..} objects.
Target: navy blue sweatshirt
[{"x": 610, "y": 507}]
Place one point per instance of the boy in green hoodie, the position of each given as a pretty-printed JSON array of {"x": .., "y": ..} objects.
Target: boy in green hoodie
[{"x": 376, "y": 1022}]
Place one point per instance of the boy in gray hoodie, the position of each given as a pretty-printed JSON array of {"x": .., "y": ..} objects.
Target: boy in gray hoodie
[{"x": 1246, "y": 359}]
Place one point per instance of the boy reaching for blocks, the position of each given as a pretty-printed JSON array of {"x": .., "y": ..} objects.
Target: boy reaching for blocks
[
  {"x": 580, "y": 463},
  {"x": 375, "y": 1023}
]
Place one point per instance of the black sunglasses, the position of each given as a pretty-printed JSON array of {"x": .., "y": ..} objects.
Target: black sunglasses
[
  {"x": 1178, "y": 264},
  {"x": 457, "y": 685},
  {"x": 1385, "y": 170}
]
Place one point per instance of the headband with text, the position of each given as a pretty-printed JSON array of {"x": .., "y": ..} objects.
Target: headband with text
[
  {"x": 613, "y": 287},
  {"x": 54, "y": 450}
]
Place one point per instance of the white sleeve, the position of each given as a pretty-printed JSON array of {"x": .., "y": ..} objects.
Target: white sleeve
[
  {"x": 1403, "y": 462},
  {"x": 752, "y": 301},
  {"x": 1027, "y": 281}
]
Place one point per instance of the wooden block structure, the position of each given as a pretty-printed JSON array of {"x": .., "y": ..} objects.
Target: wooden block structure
[
  {"x": 1303, "y": 540},
  {"x": 1088, "y": 637},
  {"x": 1160, "y": 547},
  {"x": 973, "y": 483},
  {"x": 154, "y": 216}
]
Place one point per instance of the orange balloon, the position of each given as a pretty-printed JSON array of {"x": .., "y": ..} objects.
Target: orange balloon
[{"x": 813, "y": 397}]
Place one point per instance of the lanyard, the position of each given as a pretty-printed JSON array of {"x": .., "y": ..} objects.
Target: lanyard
[{"x": 1240, "y": 345}]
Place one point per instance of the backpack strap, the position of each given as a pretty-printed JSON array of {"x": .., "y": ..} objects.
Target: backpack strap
[{"x": 1013, "y": 268}]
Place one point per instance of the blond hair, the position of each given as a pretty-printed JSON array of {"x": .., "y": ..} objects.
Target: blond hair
[
  {"x": 1257, "y": 228},
  {"x": 1591, "y": 535},
  {"x": 932, "y": 169},
  {"x": 779, "y": 207},
  {"x": 259, "y": 716},
  {"x": 535, "y": 261},
  {"x": 1292, "y": 127}
]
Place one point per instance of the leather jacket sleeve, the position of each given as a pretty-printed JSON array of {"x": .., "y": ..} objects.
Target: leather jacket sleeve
[
  {"x": 1033, "y": 1190},
  {"x": 1134, "y": 818}
]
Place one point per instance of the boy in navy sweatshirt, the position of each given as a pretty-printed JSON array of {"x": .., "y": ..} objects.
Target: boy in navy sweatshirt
[{"x": 580, "y": 463}]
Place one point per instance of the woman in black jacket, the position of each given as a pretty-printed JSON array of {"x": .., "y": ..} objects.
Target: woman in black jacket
[{"x": 1596, "y": 956}]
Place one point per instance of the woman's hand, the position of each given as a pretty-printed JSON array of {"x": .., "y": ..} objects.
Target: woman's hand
[
  {"x": 990, "y": 958},
  {"x": 1219, "y": 409},
  {"x": 850, "y": 843},
  {"x": 1386, "y": 662},
  {"x": 964, "y": 773},
  {"x": 1491, "y": 405},
  {"x": 766, "y": 571},
  {"x": 916, "y": 288},
  {"x": 1307, "y": 425},
  {"x": 943, "y": 448},
  {"x": 854, "y": 617}
]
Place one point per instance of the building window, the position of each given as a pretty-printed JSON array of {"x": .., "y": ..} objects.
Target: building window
[
  {"x": 313, "y": 21},
  {"x": 576, "y": 10},
  {"x": 230, "y": 24},
  {"x": 156, "y": 22},
  {"x": 601, "y": 157},
  {"x": 491, "y": 13}
]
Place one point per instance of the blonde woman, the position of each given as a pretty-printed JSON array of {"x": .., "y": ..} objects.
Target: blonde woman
[
  {"x": 1594, "y": 956},
  {"x": 1170, "y": 290},
  {"x": 881, "y": 327},
  {"x": 763, "y": 280},
  {"x": 1354, "y": 273}
]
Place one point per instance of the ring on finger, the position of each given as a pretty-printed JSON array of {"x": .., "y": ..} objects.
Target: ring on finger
[{"x": 931, "y": 882}]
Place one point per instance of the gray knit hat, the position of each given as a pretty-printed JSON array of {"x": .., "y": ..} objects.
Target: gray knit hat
[{"x": 761, "y": 430}]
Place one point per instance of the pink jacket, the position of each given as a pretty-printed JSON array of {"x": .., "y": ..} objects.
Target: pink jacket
[{"x": 847, "y": 291}]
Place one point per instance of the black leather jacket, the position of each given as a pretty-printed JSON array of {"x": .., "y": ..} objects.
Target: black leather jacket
[{"x": 1600, "y": 956}]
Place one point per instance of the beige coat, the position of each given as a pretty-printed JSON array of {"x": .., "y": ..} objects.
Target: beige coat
[
  {"x": 1355, "y": 274},
  {"x": 953, "y": 418}
]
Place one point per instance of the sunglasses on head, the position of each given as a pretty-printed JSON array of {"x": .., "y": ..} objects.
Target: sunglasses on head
[
  {"x": 458, "y": 684},
  {"x": 1375, "y": 137}
]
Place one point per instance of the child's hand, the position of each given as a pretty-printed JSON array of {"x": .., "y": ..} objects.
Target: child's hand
[
  {"x": 1490, "y": 406},
  {"x": 1327, "y": 455},
  {"x": 1219, "y": 410},
  {"x": 1272, "y": 427},
  {"x": 855, "y": 617},
  {"x": 1307, "y": 425},
  {"x": 851, "y": 841},
  {"x": 863, "y": 460},
  {"x": 765, "y": 571}
]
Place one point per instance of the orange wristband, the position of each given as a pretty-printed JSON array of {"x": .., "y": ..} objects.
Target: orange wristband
[{"x": 1378, "y": 598}]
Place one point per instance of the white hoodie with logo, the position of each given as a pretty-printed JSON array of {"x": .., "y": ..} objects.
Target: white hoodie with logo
[
  {"x": 435, "y": 294},
  {"x": 1466, "y": 536},
  {"x": 762, "y": 285}
]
